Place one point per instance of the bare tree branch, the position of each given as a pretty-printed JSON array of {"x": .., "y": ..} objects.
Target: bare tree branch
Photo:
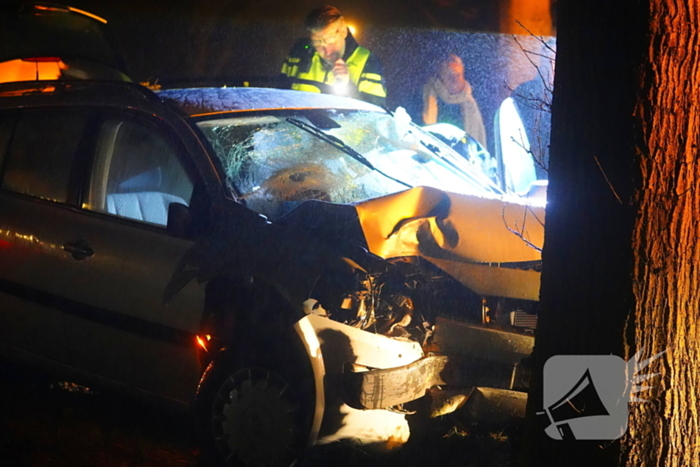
[{"x": 520, "y": 232}]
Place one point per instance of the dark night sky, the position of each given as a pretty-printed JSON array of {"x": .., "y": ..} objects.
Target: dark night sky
[
  {"x": 453, "y": 14},
  {"x": 186, "y": 38},
  {"x": 185, "y": 42}
]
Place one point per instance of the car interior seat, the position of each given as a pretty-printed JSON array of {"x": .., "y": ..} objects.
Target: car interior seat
[{"x": 147, "y": 206}]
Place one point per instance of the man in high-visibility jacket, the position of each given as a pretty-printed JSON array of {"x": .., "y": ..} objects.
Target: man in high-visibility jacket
[{"x": 331, "y": 61}]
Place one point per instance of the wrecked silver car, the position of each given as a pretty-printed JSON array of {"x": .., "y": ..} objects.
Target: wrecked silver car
[
  {"x": 297, "y": 268},
  {"x": 424, "y": 234}
]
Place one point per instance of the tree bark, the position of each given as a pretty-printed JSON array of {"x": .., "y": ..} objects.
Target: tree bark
[
  {"x": 621, "y": 247},
  {"x": 665, "y": 241}
]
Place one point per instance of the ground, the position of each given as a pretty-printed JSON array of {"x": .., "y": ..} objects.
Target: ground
[{"x": 54, "y": 423}]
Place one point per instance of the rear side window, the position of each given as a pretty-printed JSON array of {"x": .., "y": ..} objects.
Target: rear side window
[{"x": 40, "y": 156}]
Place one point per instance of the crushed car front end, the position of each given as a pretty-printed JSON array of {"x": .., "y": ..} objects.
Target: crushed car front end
[{"x": 403, "y": 264}]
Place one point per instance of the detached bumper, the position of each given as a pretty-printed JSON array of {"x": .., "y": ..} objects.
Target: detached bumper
[
  {"x": 358, "y": 374},
  {"x": 332, "y": 347},
  {"x": 476, "y": 356},
  {"x": 379, "y": 389}
]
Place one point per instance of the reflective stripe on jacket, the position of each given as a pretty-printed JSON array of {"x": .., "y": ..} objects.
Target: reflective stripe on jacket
[{"x": 307, "y": 72}]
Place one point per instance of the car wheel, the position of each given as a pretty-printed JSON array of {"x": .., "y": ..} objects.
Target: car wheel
[{"x": 255, "y": 408}]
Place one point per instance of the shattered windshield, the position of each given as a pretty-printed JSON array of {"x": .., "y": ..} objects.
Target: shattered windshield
[{"x": 274, "y": 164}]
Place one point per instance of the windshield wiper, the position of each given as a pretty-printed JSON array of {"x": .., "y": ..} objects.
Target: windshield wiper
[
  {"x": 340, "y": 145},
  {"x": 487, "y": 183}
]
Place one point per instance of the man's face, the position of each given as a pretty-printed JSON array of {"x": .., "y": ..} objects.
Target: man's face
[{"x": 329, "y": 42}]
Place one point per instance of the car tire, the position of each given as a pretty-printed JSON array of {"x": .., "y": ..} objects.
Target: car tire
[{"x": 255, "y": 406}]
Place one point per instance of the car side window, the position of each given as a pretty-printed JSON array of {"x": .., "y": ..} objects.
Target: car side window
[
  {"x": 39, "y": 159},
  {"x": 137, "y": 173}
]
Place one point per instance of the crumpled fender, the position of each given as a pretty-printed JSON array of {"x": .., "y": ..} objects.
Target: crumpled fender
[
  {"x": 288, "y": 257},
  {"x": 331, "y": 346},
  {"x": 467, "y": 236}
]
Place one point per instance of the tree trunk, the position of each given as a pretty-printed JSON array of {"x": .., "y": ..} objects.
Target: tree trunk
[{"x": 621, "y": 241}]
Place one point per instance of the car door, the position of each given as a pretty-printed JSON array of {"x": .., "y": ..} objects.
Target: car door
[
  {"x": 126, "y": 332},
  {"x": 38, "y": 154},
  {"x": 516, "y": 163}
]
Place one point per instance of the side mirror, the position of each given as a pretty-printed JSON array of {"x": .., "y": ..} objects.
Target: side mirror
[{"x": 179, "y": 220}]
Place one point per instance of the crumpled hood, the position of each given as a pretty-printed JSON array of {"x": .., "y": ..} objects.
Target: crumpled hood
[
  {"x": 466, "y": 236},
  {"x": 469, "y": 237}
]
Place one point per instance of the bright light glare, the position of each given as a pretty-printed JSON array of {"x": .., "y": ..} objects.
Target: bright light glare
[
  {"x": 202, "y": 344},
  {"x": 89, "y": 15},
  {"x": 340, "y": 89}
]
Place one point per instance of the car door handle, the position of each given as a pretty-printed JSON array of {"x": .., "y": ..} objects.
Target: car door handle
[{"x": 79, "y": 249}]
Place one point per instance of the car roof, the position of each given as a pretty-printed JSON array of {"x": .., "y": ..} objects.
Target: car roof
[
  {"x": 203, "y": 101},
  {"x": 194, "y": 102}
]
